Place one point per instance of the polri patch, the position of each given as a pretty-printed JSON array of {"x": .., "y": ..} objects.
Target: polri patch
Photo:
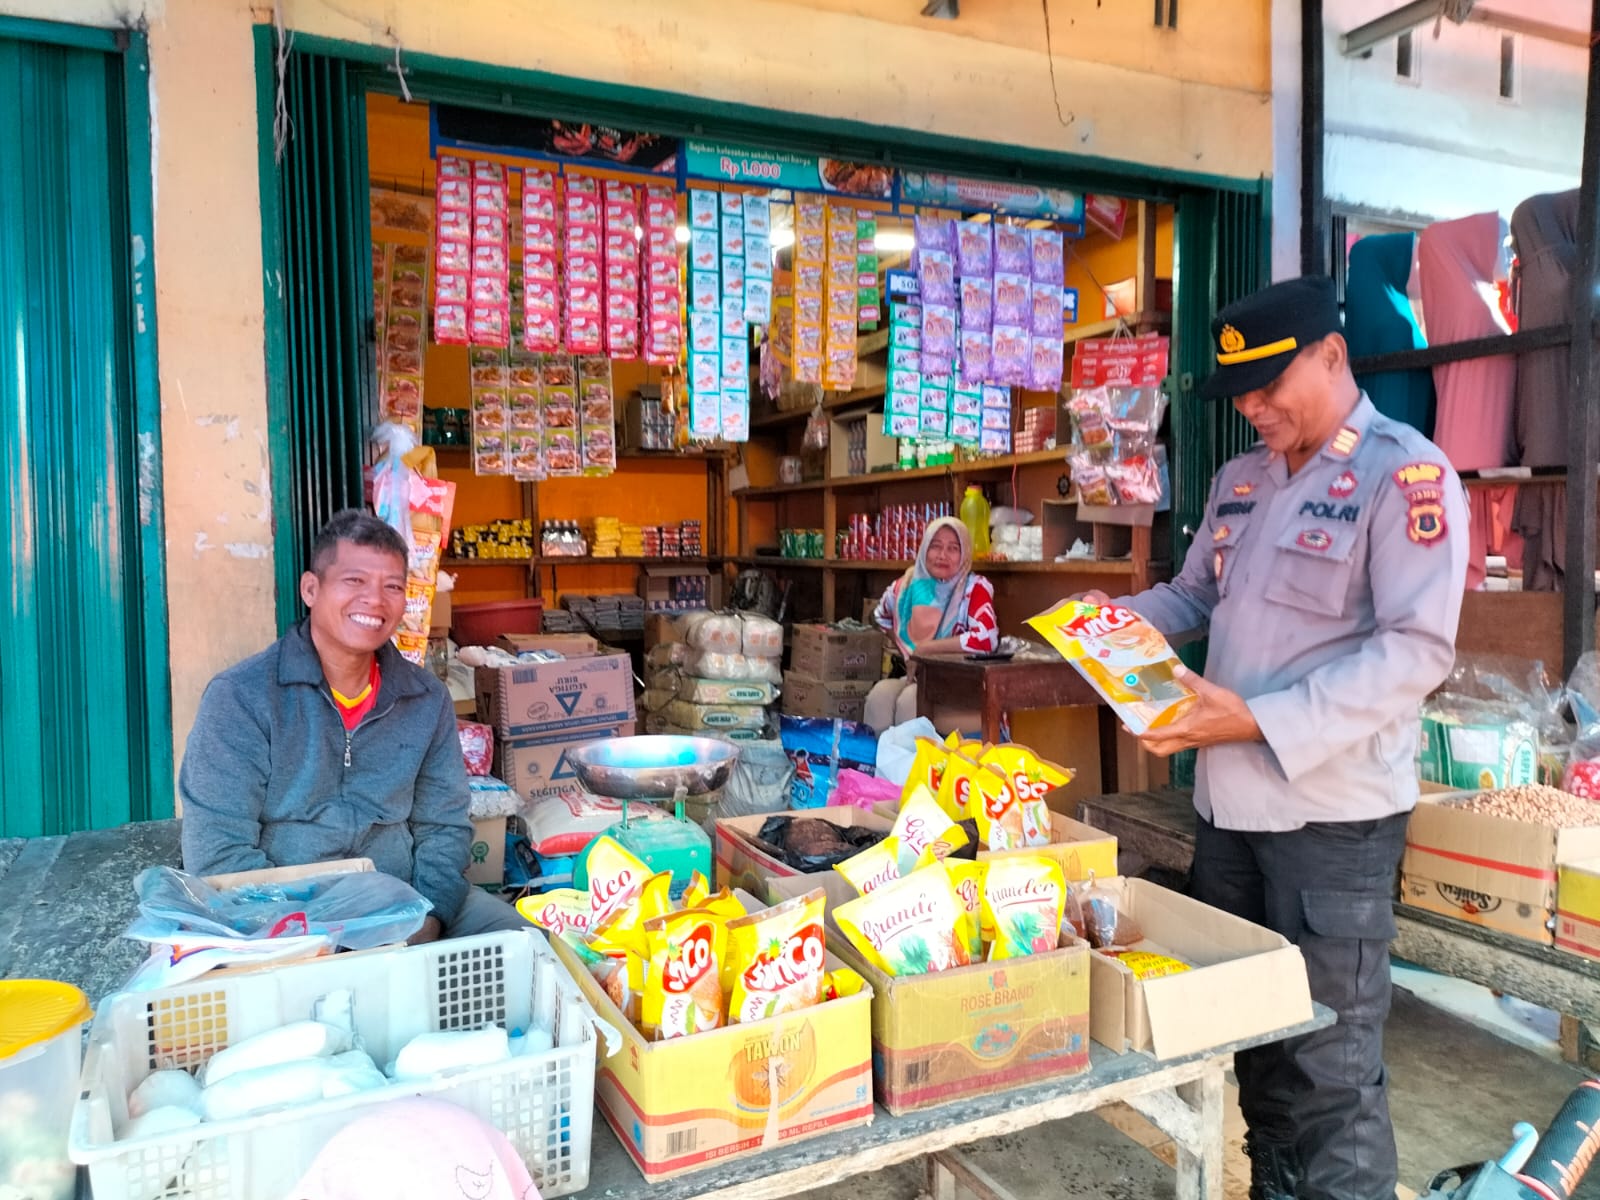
[
  {"x": 1343, "y": 486},
  {"x": 1425, "y": 524},
  {"x": 1324, "y": 511},
  {"x": 1410, "y": 475},
  {"x": 1314, "y": 539}
]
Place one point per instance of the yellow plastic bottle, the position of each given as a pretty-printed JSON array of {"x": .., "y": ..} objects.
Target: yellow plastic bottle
[{"x": 975, "y": 516}]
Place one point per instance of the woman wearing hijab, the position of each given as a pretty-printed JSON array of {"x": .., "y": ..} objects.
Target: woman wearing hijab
[
  {"x": 937, "y": 607},
  {"x": 1378, "y": 320}
]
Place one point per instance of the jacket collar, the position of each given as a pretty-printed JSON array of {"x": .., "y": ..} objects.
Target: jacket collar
[{"x": 298, "y": 663}]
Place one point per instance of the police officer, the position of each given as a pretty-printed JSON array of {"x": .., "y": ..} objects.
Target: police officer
[{"x": 1328, "y": 573}]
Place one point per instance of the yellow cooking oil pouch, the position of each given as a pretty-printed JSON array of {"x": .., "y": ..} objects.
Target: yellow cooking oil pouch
[
  {"x": 683, "y": 991},
  {"x": 1124, "y": 658},
  {"x": 1023, "y": 895},
  {"x": 966, "y": 876},
  {"x": 925, "y": 831},
  {"x": 779, "y": 959},
  {"x": 873, "y": 867},
  {"x": 913, "y": 926}
]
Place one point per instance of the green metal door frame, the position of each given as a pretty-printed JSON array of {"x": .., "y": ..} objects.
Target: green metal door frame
[
  {"x": 482, "y": 85},
  {"x": 132, "y": 46}
]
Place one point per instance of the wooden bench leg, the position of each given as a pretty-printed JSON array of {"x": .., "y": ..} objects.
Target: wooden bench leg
[
  {"x": 949, "y": 1168},
  {"x": 1191, "y": 1115}
]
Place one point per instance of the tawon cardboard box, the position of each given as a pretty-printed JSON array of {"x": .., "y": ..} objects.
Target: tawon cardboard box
[
  {"x": 1578, "y": 907},
  {"x": 845, "y": 699},
  {"x": 1514, "y": 917},
  {"x": 984, "y": 1028},
  {"x": 741, "y": 864},
  {"x": 823, "y": 652},
  {"x": 1503, "y": 861},
  {"x": 1246, "y": 980},
  {"x": 542, "y": 698},
  {"x": 540, "y": 767},
  {"x": 681, "y": 1104}
]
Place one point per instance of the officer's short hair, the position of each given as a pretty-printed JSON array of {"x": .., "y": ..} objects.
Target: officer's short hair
[{"x": 359, "y": 529}]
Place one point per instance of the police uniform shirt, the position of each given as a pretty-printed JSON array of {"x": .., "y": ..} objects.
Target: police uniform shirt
[{"x": 1331, "y": 598}]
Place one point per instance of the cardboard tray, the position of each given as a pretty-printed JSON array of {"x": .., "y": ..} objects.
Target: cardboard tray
[{"x": 1246, "y": 980}]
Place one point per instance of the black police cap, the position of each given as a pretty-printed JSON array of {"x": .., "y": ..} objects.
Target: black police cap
[{"x": 1258, "y": 337}]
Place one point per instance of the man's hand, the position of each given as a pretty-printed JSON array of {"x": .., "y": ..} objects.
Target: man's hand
[
  {"x": 432, "y": 930},
  {"x": 1218, "y": 717},
  {"x": 1094, "y": 597}
]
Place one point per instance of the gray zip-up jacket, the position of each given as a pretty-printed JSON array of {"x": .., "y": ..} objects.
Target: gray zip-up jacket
[{"x": 271, "y": 779}]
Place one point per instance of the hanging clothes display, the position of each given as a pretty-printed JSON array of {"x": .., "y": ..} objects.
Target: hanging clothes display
[
  {"x": 1378, "y": 320},
  {"x": 1459, "y": 262},
  {"x": 1545, "y": 232}
]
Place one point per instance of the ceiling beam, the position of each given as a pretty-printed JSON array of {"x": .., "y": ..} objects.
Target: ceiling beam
[
  {"x": 1392, "y": 24},
  {"x": 1542, "y": 30}
]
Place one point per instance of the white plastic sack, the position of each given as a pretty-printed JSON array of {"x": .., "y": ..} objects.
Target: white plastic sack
[
  {"x": 898, "y": 746},
  {"x": 724, "y": 691},
  {"x": 715, "y": 664}
]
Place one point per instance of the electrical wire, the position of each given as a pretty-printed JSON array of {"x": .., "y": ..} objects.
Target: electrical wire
[{"x": 1050, "y": 57}]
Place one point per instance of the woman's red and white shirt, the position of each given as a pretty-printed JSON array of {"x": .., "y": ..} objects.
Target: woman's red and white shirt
[{"x": 977, "y": 627}]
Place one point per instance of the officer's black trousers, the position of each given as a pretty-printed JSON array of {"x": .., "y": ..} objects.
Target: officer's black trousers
[{"x": 1328, "y": 888}]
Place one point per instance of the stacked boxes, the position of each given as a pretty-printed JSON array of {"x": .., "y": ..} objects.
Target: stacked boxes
[{"x": 831, "y": 670}]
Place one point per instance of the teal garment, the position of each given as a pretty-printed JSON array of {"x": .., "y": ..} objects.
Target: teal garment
[
  {"x": 1378, "y": 320},
  {"x": 924, "y": 590}
]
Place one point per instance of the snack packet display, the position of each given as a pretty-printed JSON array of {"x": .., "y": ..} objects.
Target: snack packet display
[
  {"x": 1123, "y": 657},
  {"x": 966, "y": 876},
  {"x": 683, "y": 991},
  {"x": 874, "y": 867},
  {"x": 777, "y": 959},
  {"x": 924, "y": 831},
  {"x": 954, "y": 794},
  {"x": 913, "y": 926},
  {"x": 1032, "y": 778},
  {"x": 1022, "y": 899}
]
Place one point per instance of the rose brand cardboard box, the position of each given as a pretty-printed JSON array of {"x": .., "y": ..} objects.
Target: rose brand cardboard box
[
  {"x": 984, "y": 1028},
  {"x": 1503, "y": 866},
  {"x": 1245, "y": 981},
  {"x": 680, "y": 1105},
  {"x": 542, "y": 698}
]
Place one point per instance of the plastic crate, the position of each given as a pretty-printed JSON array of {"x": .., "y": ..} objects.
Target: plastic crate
[{"x": 544, "y": 1103}]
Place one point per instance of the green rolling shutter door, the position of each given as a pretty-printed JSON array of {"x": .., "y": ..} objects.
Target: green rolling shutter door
[
  {"x": 84, "y": 725},
  {"x": 319, "y": 298}
]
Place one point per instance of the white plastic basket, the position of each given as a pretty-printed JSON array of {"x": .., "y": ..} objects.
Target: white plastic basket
[{"x": 544, "y": 1103}]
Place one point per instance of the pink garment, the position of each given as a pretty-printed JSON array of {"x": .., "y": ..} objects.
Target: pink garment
[
  {"x": 1458, "y": 262},
  {"x": 417, "y": 1149}
]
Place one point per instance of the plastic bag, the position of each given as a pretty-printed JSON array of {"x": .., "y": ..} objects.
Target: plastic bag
[
  {"x": 356, "y": 911},
  {"x": 897, "y": 748},
  {"x": 477, "y": 746},
  {"x": 816, "y": 435},
  {"x": 717, "y": 664},
  {"x": 724, "y": 691},
  {"x": 759, "y": 782},
  {"x": 810, "y": 844},
  {"x": 762, "y": 636},
  {"x": 863, "y": 791},
  {"x": 714, "y": 631},
  {"x": 819, "y": 748}
]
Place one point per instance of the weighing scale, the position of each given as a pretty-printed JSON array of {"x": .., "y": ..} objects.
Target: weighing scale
[{"x": 659, "y": 768}]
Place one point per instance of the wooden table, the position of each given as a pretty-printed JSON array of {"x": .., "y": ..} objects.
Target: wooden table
[
  {"x": 1182, "y": 1097},
  {"x": 1159, "y": 827},
  {"x": 996, "y": 687}
]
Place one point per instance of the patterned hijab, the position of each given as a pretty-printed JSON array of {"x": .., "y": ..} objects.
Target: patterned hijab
[{"x": 918, "y": 588}]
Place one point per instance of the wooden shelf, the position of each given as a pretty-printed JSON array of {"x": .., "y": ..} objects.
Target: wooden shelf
[
  {"x": 839, "y": 402},
  {"x": 1077, "y": 566},
  {"x": 456, "y": 564},
  {"x": 1139, "y": 323},
  {"x": 590, "y": 560},
  {"x": 975, "y": 466},
  {"x": 457, "y": 457}
]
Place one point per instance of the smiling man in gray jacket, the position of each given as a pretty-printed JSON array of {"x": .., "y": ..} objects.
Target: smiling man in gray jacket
[{"x": 329, "y": 745}]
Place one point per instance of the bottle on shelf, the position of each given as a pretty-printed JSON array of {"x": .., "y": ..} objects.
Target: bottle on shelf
[{"x": 975, "y": 516}]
